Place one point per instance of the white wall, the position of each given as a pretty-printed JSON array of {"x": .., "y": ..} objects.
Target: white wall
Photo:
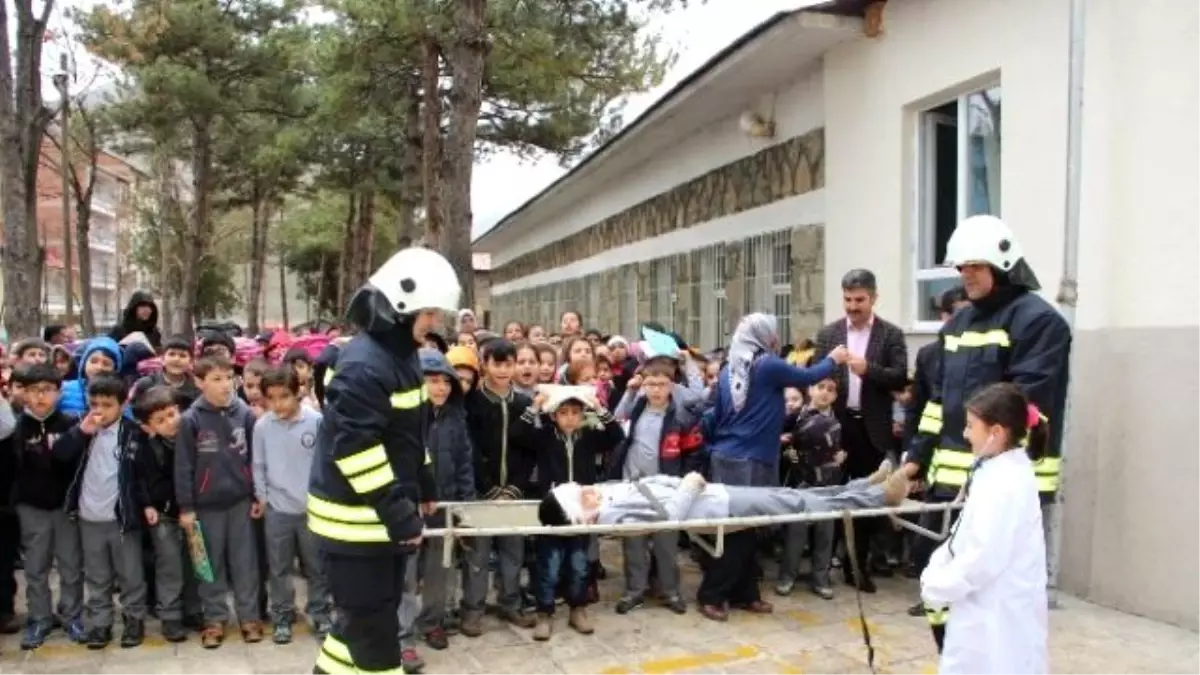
[
  {"x": 932, "y": 50},
  {"x": 798, "y": 109},
  {"x": 1141, "y": 160}
]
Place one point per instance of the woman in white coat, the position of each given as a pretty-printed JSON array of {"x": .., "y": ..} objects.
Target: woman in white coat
[{"x": 991, "y": 572}]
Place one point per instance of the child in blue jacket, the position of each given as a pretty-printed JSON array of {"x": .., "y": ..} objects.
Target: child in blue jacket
[{"x": 101, "y": 355}]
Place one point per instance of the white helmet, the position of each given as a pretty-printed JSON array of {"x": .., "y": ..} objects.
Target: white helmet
[
  {"x": 418, "y": 278},
  {"x": 983, "y": 239}
]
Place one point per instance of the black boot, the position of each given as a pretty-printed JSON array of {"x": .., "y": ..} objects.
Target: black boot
[
  {"x": 133, "y": 633},
  {"x": 99, "y": 638}
]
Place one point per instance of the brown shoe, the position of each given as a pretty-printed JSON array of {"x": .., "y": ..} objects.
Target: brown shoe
[
  {"x": 714, "y": 613},
  {"x": 520, "y": 620},
  {"x": 581, "y": 621},
  {"x": 472, "y": 624},
  {"x": 212, "y": 636},
  {"x": 756, "y": 607},
  {"x": 543, "y": 627},
  {"x": 895, "y": 489},
  {"x": 252, "y": 631}
]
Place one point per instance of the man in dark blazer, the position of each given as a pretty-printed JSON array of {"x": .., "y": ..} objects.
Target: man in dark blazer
[{"x": 878, "y": 367}]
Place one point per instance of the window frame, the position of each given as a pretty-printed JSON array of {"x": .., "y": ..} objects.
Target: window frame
[{"x": 923, "y": 245}]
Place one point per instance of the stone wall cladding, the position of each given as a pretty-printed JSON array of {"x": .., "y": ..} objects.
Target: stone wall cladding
[
  {"x": 787, "y": 169},
  {"x": 618, "y": 313}
]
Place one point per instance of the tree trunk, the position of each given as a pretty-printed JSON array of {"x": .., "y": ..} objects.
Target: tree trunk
[
  {"x": 260, "y": 222},
  {"x": 283, "y": 296},
  {"x": 198, "y": 230},
  {"x": 23, "y": 121},
  {"x": 411, "y": 171},
  {"x": 83, "y": 229},
  {"x": 466, "y": 62},
  {"x": 321, "y": 289},
  {"x": 166, "y": 289},
  {"x": 431, "y": 143},
  {"x": 346, "y": 259},
  {"x": 364, "y": 238}
]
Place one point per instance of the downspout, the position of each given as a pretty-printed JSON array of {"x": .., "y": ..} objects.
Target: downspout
[{"x": 1068, "y": 287}]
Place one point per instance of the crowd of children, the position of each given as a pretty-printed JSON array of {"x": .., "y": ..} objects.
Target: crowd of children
[{"x": 114, "y": 471}]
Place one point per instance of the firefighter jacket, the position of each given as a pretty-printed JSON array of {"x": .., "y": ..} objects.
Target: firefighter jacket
[
  {"x": 502, "y": 467},
  {"x": 1012, "y": 336},
  {"x": 371, "y": 467}
]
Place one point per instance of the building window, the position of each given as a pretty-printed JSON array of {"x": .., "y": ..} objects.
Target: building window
[
  {"x": 662, "y": 293},
  {"x": 958, "y": 152}
]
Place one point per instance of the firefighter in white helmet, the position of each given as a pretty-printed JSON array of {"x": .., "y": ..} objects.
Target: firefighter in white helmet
[
  {"x": 371, "y": 480},
  {"x": 1007, "y": 333}
]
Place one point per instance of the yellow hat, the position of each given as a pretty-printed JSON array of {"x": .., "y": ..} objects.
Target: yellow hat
[{"x": 461, "y": 356}]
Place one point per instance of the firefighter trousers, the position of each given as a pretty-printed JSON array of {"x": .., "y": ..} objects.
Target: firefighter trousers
[{"x": 366, "y": 593}]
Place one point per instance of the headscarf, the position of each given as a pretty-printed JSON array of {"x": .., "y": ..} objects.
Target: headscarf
[{"x": 756, "y": 335}]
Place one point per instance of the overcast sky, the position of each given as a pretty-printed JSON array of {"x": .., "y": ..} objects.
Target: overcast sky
[{"x": 503, "y": 182}]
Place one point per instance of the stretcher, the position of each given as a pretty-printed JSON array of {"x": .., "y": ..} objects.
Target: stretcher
[{"x": 504, "y": 518}]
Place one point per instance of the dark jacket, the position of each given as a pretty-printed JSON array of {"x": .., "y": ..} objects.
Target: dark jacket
[
  {"x": 565, "y": 458},
  {"x": 131, "y": 324},
  {"x": 74, "y": 448},
  {"x": 1012, "y": 336},
  {"x": 186, "y": 392},
  {"x": 500, "y": 464},
  {"x": 449, "y": 442},
  {"x": 924, "y": 376},
  {"x": 816, "y": 437},
  {"x": 40, "y": 480},
  {"x": 154, "y": 476},
  {"x": 887, "y": 372},
  {"x": 371, "y": 467},
  {"x": 212, "y": 455},
  {"x": 680, "y": 447},
  {"x": 323, "y": 368}
]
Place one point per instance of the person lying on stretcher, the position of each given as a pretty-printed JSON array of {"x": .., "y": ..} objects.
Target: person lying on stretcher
[{"x": 670, "y": 498}]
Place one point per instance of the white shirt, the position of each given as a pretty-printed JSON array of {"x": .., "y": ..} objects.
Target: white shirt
[
  {"x": 991, "y": 573},
  {"x": 857, "y": 340}
]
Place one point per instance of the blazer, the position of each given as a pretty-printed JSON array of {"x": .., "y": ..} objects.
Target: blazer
[{"x": 887, "y": 371}]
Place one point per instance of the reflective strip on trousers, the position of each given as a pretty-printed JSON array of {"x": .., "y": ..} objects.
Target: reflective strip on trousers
[{"x": 335, "y": 658}]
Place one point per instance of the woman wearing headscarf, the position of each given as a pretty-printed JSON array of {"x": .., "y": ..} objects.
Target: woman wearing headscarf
[{"x": 743, "y": 441}]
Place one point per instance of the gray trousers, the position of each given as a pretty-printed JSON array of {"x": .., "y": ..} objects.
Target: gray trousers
[
  {"x": 637, "y": 562},
  {"x": 51, "y": 539},
  {"x": 175, "y": 587},
  {"x": 111, "y": 557},
  {"x": 778, "y": 501},
  {"x": 287, "y": 537},
  {"x": 229, "y": 537},
  {"x": 795, "y": 535},
  {"x": 511, "y": 552}
]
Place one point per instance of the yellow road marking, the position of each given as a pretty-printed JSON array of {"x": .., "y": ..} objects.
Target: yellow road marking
[
  {"x": 55, "y": 649},
  {"x": 690, "y": 661},
  {"x": 804, "y": 618}
]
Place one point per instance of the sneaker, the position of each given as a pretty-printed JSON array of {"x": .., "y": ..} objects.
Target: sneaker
[
  {"x": 517, "y": 619},
  {"x": 212, "y": 636},
  {"x": 823, "y": 591},
  {"x": 252, "y": 631},
  {"x": 411, "y": 662},
  {"x": 580, "y": 621},
  {"x": 76, "y": 632},
  {"x": 452, "y": 622},
  {"x": 543, "y": 628},
  {"x": 99, "y": 638},
  {"x": 917, "y": 610},
  {"x": 35, "y": 635},
  {"x": 282, "y": 632},
  {"x": 174, "y": 631},
  {"x": 436, "y": 639},
  {"x": 629, "y": 603},
  {"x": 784, "y": 587},
  {"x": 321, "y": 626},
  {"x": 472, "y": 624},
  {"x": 133, "y": 632},
  {"x": 677, "y": 604}
]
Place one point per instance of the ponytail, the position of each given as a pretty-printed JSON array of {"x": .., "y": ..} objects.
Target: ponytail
[{"x": 1005, "y": 404}]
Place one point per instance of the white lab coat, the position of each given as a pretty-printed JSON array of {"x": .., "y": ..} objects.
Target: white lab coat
[{"x": 991, "y": 573}]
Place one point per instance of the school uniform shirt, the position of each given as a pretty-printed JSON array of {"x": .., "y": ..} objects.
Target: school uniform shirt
[
  {"x": 99, "y": 490},
  {"x": 991, "y": 573},
  {"x": 283, "y": 458}
]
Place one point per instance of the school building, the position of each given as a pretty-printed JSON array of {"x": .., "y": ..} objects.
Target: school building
[{"x": 856, "y": 134}]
